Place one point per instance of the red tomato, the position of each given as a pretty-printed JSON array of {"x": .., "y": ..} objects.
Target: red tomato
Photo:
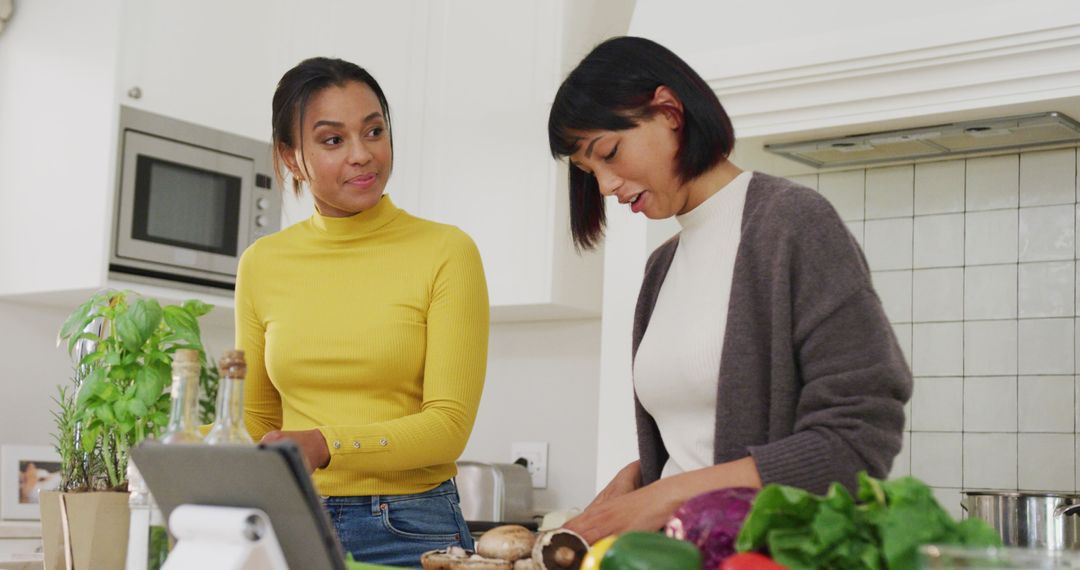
[{"x": 750, "y": 561}]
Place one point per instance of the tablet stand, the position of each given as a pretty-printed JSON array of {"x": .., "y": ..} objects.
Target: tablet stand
[{"x": 230, "y": 538}]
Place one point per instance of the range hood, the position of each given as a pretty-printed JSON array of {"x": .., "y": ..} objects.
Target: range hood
[{"x": 999, "y": 134}]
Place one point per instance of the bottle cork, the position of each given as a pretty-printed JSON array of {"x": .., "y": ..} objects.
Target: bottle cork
[{"x": 232, "y": 364}]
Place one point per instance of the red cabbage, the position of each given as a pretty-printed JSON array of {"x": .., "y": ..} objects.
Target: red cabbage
[{"x": 711, "y": 521}]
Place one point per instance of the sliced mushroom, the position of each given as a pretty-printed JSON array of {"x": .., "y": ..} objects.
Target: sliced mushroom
[
  {"x": 443, "y": 559},
  {"x": 508, "y": 542},
  {"x": 559, "y": 549},
  {"x": 477, "y": 562},
  {"x": 526, "y": 564}
]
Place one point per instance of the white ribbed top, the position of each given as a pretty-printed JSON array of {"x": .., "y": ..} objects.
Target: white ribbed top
[{"x": 678, "y": 362}]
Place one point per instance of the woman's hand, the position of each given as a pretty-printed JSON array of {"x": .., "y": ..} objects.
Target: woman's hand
[
  {"x": 626, "y": 480},
  {"x": 616, "y": 509},
  {"x": 311, "y": 442},
  {"x": 647, "y": 508}
]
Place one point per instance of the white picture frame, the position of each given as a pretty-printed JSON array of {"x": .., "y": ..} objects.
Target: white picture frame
[{"x": 19, "y": 464}]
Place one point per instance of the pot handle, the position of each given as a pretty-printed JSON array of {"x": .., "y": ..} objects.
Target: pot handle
[{"x": 1066, "y": 510}]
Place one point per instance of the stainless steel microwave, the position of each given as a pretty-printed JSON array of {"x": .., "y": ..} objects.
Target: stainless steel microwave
[{"x": 189, "y": 200}]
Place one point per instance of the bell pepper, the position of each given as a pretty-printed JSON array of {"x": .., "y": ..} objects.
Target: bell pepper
[
  {"x": 750, "y": 561},
  {"x": 650, "y": 551},
  {"x": 596, "y": 553}
]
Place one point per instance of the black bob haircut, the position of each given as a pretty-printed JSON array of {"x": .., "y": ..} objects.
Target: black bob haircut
[
  {"x": 611, "y": 89},
  {"x": 298, "y": 86}
]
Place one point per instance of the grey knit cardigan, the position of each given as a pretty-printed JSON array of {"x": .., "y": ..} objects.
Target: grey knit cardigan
[{"x": 812, "y": 382}]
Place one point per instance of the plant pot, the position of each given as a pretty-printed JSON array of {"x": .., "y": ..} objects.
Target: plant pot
[
  {"x": 93, "y": 531},
  {"x": 52, "y": 530}
]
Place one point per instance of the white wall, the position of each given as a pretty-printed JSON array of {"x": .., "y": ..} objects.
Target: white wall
[{"x": 541, "y": 386}]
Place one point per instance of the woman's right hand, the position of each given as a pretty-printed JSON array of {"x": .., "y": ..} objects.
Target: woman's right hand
[{"x": 626, "y": 480}]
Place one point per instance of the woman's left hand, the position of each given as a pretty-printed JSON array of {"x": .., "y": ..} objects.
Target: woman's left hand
[
  {"x": 647, "y": 508},
  {"x": 311, "y": 442}
]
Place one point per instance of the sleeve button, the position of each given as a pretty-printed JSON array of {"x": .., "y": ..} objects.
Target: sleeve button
[
  {"x": 356, "y": 444},
  {"x": 337, "y": 444},
  {"x": 383, "y": 442}
]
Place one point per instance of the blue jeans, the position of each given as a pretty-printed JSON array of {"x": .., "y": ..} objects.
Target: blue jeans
[{"x": 396, "y": 529}]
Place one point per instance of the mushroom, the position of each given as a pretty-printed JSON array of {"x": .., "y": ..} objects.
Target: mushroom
[
  {"x": 508, "y": 542},
  {"x": 527, "y": 564},
  {"x": 559, "y": 549},
  {"x": 477, "y": 562},
  {"x": 443, "y": 559}
]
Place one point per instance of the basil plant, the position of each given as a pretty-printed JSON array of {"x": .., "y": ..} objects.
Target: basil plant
[{"x": 122, "y": 346}]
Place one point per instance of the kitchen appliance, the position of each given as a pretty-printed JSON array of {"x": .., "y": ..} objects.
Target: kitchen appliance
[
  {"x": 923, "y": 143},
  {"x": 189, "y": 200},
  {"x": 495, "y": 493},
  {"x": 1036, "y": 520}
]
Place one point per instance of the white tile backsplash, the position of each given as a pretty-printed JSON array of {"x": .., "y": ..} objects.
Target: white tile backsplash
[
  {"x": 1046, "y": 404},
  {"x": 937, "y": 349},
  {"x": 938, "y": 404},
  {"x": 939, "y": 187},
  {"x": 990, "y": 461},
  {"x": 938, "y": 241},
  {"x": 894, "y": 289},
  {"x": 990, "y": 292},
  {"x": 990, "y": 404},
  {"x": 975, "y": 261},
  {"x": 949, "y": 499},
  {"x": 1047, "y": 233},
  {"x": 990, "y": 348},
  {"x": 993, "y": 182},
  {"x": 1046, "y": 346},
  {"x": 888, "y": 243},
  {"x": 890, "y": 192},
  {"x": 991, "y": 237},
  {"x": 808, "y": 180},
  {"x": 1047, "y": 289},
  {"x": 1046, "y": 461},
  {"x": 901, "y": 466},
  {"x": 846, "y": 191},
  {"x": 937, "y": 458},
  {"x": 1048, "y": 177},
  {"x": 938, "y": 294}
]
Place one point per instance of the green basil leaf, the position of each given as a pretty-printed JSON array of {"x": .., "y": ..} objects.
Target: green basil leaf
[
  {"x": 77, "y": 320},
  {"x": 90, "y": 386},
  {"x": 197, "y": 308},
  {"x": 181, "y": 322},
  {"x": 138, "y": 408},
  {"x": 105, "y": 412},
  {"x": 150, "y": 382}
]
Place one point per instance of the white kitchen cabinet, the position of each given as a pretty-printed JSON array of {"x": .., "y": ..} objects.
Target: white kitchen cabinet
[
  {"x": 486, "y": 164},
  {"x": 469, "y": 84}
]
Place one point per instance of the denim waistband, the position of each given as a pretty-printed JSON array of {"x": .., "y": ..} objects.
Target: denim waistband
[{"x": 445, "y": 488}]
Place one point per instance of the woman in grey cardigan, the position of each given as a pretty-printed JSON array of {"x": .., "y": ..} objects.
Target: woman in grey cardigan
[{"x": 761, "y": 352}]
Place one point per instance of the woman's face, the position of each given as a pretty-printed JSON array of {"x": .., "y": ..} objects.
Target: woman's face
[
  {"x": 346, "y": 152},
  {"x": 637, "y": 166}
]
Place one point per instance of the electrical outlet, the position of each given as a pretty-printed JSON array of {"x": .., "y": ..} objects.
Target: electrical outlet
[{"x": 534, "y": 453}]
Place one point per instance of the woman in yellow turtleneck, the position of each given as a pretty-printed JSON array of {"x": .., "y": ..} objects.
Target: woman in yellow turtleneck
[{"x": 365, "y": 328}]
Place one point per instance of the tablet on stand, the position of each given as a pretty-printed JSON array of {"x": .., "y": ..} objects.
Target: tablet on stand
[{"x": 233, "y": 502}]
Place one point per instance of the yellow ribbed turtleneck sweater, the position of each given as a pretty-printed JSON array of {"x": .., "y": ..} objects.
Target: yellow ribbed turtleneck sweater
[{"x": 373, "y": 329}]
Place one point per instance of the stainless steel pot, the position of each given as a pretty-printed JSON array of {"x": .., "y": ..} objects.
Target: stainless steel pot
[{"x": 1035, "y": 520}]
